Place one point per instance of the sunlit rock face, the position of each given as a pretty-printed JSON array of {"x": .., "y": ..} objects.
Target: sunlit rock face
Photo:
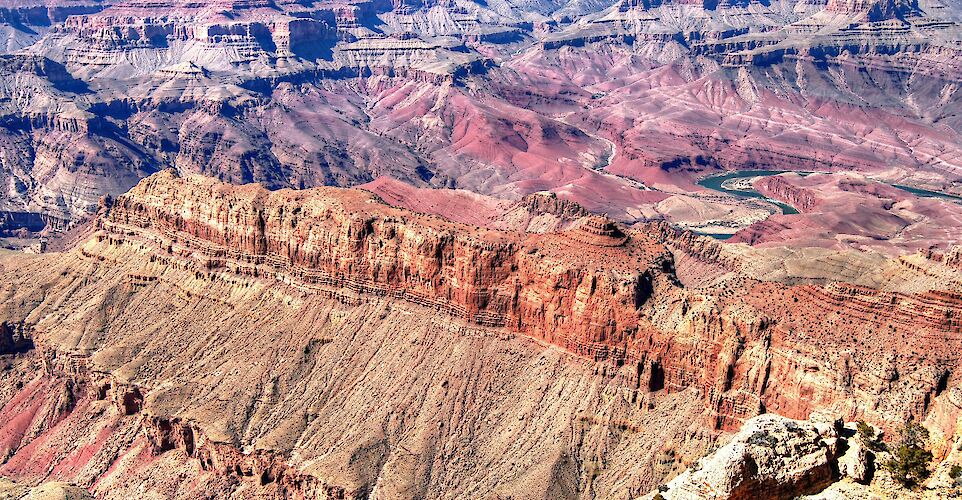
[
  {"x": 621, "y": 108},
  {"x": 227, "y": 333},
  {"x": 465, "y": 249}
]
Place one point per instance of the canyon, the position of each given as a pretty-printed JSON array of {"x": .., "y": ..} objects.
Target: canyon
[
  {"x": 479, "y": 249},
  {"x": 209, "y": 339},
  {"x": 620, "y": 108}
]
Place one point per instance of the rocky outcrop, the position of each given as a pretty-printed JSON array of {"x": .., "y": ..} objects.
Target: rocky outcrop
[
  {"x": 951, "y": 257},
  {"x": 597, "y": 230},
  {"x": 705, "y": 249},
  {"x": 14, "y": 338},
  {"x": 536, "y": 285},
  {"x": 538, "y": 213},
  {"x": 309, "y": 38},
  {"x": 804, "y": 200},
  {"x": 593, "y": 289},
  {"x": 436, "y": 61},
  {"x": 266, "y": 295},
  {"x": 857, "y": 462},
  {"x": 263, "y": 467},
  {"x": 771, "y": 457},
  {"x": 550, "y": 203}
]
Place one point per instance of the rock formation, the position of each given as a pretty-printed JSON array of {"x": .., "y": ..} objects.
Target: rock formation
[
  {"x": 462, "y": 357},
  {"x": 526, "y": 297},
  {"x": 618, "y": 107},
  {"x": 770, "y": 457}
]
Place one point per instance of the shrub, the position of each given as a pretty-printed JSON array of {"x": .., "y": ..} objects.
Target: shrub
[
  {"x": 910, "y": 460},
  {"x": 869, "y": 437}
]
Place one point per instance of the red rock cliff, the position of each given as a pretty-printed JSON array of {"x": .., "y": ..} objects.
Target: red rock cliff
[
  {"x": 593, "y": 289},
  {"x": 582, "y": 289}
]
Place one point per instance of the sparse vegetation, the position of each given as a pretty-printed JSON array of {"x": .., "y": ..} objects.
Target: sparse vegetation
[
  {"x": 761, "y": 438},
  {"x": 910, "y": 460},
  {"x": 592, "y": 470},
  {"x": 867, "y": 433},
  {"x": 666, "y": 457}
]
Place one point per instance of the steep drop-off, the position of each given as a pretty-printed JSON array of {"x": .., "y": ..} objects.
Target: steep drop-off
[{"x": 229, "y": 340}]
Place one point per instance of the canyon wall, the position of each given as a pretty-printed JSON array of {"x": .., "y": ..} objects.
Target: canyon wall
[
  {"x": 322, "y": 343},
  {"x": 592, "y": 289},
  {"x": 539, "y": 285}
]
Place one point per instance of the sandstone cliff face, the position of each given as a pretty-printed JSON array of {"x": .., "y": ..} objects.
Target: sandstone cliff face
[
  {"x": 242, "y": 385},
  {"x": 536, "y": 285},
  {"x": 288, "y": 313},
  {"x": 591, "y": 289}
]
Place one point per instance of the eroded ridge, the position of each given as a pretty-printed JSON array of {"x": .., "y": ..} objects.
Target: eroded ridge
[
  {"x": 582, "y": 289},
  {"x": 203, "y": 312},
  {"x": 594, "y": 289}
]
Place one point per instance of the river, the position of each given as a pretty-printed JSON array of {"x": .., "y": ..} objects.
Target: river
[{"x": 715, "y": 183}]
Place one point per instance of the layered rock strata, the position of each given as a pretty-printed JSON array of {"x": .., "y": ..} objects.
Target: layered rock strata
[
  {"x": 537, "y": 284},
  {"x": 592, "y": 289},
  {"x": 229, "y": 332}
]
